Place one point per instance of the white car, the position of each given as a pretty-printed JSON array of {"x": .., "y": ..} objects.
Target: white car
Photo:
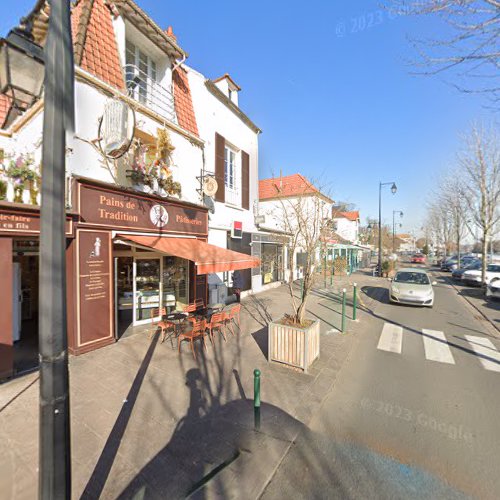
[
  {"x": 493, "y": 289},
  {"x": 412, "y": 286},
  {"x": 473, "y": 277}
]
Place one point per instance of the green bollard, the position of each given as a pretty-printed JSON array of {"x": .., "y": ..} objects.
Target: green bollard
[
  {"x": 343, "y": 310},
  {"x": 354, "y": 301},
  {"x": 256, "y": 388},
  {"x": 256, "y": 399}
]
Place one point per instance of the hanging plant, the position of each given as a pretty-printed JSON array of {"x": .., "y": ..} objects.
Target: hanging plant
[
  {"x": 23, "y": 173},
  {"x": 154, "y": 173},
  {"x": 3, "y": 189}
]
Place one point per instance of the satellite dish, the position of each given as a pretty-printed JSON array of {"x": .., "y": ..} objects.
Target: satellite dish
[
  {"x": 210, "y": 186},
  {"x": 116, "y": 128}
]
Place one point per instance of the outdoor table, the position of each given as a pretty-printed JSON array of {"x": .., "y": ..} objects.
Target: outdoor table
[
  {"x": 211, "y": 309},
  {"x": 177, "y": 318}
]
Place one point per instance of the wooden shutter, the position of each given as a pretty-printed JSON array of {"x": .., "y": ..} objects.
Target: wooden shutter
[
  {"x": 220, "y": 144},
  {"x": 245, "y": 180}
]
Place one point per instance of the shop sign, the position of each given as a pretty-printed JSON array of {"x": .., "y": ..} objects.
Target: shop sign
[
  {"x": 95, "y": 304},
  {"x": 113, "y": 209},
  {"x": 237, "y": 230},
  {"x": 24, "y": 222}
]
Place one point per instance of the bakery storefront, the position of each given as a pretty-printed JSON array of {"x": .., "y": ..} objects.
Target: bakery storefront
[{"x": 128, "y": 254}]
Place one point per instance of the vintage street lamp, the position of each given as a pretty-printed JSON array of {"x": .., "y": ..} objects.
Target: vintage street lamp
[
  {"x": 21, "y": 70},
  {"x": 393, "y": 191},
  {"x": 394, "y": 212},
  {"x": 21, "y": 75}
]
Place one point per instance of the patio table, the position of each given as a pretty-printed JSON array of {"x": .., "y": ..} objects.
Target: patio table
[{"x": 177, "y": 318}]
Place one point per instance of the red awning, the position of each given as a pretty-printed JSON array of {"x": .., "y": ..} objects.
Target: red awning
[{"x": 208, "y": 258}]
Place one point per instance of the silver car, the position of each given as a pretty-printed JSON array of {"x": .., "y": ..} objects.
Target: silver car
[{"x": 412, "y": 286}]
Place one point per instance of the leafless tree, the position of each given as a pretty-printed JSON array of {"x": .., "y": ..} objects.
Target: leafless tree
[
  {"x": 471, "y": 51},
  {"x": 479, "y": 165},
  {"x": 305, "y": 216},
  {"x": 455, "y": 207},
  {"x": 439, "y": 224}
]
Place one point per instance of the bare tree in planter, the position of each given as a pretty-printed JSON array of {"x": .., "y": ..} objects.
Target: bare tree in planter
[
  {"x": 306, "y": 218},
  {"x": 479, "y": 167}
]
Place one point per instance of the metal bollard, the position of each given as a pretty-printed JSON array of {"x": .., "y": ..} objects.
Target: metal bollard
[
  {"x": 343, "y": 310},
  {"x": 256, "y": 398},
  {"x": 354, "y": 301}
]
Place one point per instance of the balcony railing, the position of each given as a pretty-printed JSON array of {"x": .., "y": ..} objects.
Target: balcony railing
[
  {"x": 149, "y": 92},
  {"x": 233, "y": 196}
]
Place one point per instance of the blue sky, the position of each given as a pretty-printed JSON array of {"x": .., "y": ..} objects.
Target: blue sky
[{"x": 329, "y": 84}]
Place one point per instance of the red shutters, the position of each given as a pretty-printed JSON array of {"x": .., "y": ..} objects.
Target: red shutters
[
  {"x": 220, "y": 168},
  {"x": 245, "y": 181}
]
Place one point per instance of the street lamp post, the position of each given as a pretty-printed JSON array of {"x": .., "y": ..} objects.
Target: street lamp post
[
  {"x": 394, "y": 212},
  {"x": 21, "y": 70},
  {"x": 393, "y": 190}
]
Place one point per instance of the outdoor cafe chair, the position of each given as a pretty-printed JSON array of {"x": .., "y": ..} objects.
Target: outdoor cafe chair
[
  {"x": 233, "y": 317},
  {"x": 190, "y": 309},
  {"x": 198, "y": 332},
  {"x": 217, "y": 322},
  {"x": 163, "y": 324}
]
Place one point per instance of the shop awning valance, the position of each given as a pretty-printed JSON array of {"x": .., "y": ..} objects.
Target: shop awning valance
[{"x": 208, "y": 258}]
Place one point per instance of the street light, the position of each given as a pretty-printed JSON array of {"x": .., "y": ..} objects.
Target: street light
[
  {"x": 394, "y": 212},
  {"x": 21, "y": 72},
  {"x": 393, "y": 191}
]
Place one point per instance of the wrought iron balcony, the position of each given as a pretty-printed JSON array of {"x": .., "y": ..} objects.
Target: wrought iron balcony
[{"x": 149, "y": 92}]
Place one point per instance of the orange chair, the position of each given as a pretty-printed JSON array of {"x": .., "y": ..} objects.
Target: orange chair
[
  {"x": 198, "y": 332},
  {"x": 163, "y": 324},
  {"x": 217, "y": 322},
  {"x": 233, "y": 317},
  {"x": 190, "y": 309},
  {"x": 199, "y": 303}
]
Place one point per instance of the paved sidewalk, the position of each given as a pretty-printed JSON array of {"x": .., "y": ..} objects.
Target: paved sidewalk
[{"x": 149, "y": 423}]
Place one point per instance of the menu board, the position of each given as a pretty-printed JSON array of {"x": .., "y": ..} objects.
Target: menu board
[{"x": 94, "y": 248}]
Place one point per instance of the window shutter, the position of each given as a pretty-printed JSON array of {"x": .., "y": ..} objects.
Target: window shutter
[
  {"x": 220, "y": 168},
  {"x": 245, "y": 180}
]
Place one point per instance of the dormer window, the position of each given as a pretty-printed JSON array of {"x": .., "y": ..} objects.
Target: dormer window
[
  {"x": 229, "y": 87},
  {"x": 141, "y": 73}
]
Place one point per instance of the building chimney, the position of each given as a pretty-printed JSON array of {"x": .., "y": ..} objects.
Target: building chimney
[{"x": 170, "y": 33}]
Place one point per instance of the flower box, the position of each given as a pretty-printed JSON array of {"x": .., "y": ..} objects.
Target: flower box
[{"x": 294, "y": 345}]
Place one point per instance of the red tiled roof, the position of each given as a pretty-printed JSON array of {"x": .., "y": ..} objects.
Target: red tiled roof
[
  {"x": 4, "y": 107},
  {"x": 352, "y": 216},
  {"x": 100, "y": 50},
  {"x": 290, "y": 185},
  {"x": 183, "y": 101}
]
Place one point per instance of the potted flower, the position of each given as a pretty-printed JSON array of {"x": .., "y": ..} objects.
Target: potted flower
[{"x": 25, "y": 178}]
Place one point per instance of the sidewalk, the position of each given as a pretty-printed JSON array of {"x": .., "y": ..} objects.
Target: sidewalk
[{"x": 148, "y": 421}]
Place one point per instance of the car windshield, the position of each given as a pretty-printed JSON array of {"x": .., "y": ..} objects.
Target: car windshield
[
  {"x": 474, "y": 266},
  {"x": 493, "y": 268},
  {"x": 411, "y": 277}
]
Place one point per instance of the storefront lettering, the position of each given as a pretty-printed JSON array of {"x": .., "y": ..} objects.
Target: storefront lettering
[
  {"x": 111, "y": 201},
  {"x": 186, "y": 220},
  {"x": 15, "y": 222},
  {"x": 139, "y": 212}
]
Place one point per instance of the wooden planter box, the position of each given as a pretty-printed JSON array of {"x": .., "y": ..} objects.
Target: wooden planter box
[{"x": 292, "y": 345}]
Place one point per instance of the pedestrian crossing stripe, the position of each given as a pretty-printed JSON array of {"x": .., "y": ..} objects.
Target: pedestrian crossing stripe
[
  {"x": 436, "y": 346},
  {"x": 487, "y": 353}
]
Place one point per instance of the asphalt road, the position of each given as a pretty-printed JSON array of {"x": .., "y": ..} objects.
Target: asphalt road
[{"x": 414, "y": 414}]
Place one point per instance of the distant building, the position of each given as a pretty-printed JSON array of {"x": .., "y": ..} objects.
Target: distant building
[
  {"x": 408, "y": 242},
  {"x": 347, "y": 224}
]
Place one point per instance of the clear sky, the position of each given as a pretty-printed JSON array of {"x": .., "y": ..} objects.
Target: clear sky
[{"x": 330, "y": 86}]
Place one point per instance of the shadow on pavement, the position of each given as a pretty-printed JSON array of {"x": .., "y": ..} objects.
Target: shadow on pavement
[{"x": 379, "y": 293}]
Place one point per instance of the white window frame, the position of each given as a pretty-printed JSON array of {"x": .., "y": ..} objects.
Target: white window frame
[
  {"x": 151, "y": 71},
  {"x": 232, "y": 176}
]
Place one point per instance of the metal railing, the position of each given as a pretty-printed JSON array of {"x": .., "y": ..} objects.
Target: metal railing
[{"x": 149, "y": 92}]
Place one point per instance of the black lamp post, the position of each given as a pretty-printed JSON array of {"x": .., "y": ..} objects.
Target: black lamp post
[
  {"x": 21, "y": 76},
  {"x": 393, "y": 190},
  {"x": 394, "y": 212}
]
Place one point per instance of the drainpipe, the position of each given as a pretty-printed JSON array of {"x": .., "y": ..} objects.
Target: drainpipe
[{"x": 176, "y": 65}]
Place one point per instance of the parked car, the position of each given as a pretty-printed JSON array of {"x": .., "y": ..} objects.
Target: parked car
[
  {"x": 453, "y": 264},
  {"x": 493, "y": 289},
  {"x": 418, "y": 258},
  {"x": 458, "y": 273},
  {"x": 412, "y": 286},
  {"x": 446, "y": 264},
  {"x": 473, "y": 277}
]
